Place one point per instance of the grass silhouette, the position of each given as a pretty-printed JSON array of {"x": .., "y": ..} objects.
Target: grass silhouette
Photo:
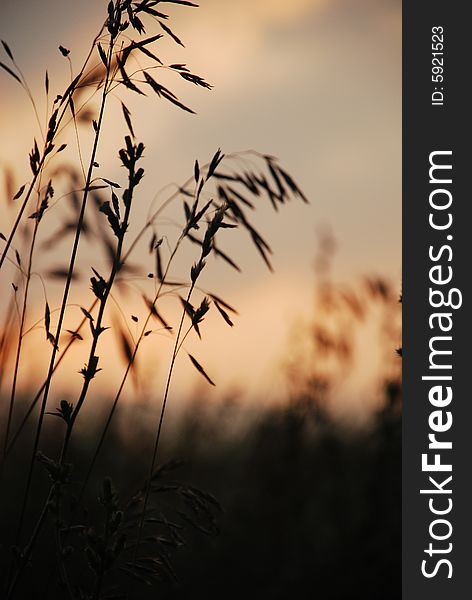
[
  {"x": 218, "y": 196},
  {"x": 290, "y": 502}
]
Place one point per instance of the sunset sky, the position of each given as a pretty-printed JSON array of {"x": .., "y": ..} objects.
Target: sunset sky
[{"x": 315, "y": 82}]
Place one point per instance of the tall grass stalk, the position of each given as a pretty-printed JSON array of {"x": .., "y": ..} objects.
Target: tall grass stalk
[
  {"x": 21, "y": 331},
  {"x": 65, "y": 297},
  {"x": 48, "y": 143}
]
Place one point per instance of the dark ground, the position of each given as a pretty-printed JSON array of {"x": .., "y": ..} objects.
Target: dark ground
[{"x": 308, "y": 510}]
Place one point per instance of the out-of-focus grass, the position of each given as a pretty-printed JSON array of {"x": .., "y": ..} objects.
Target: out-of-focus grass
[{"x": 309, "y": 506}]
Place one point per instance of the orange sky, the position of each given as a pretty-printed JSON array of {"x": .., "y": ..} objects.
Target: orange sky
[{"x": 315, "y": 82}]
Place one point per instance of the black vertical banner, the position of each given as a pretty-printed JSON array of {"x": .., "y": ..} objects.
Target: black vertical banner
[{"x": 437, "y": 258}]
